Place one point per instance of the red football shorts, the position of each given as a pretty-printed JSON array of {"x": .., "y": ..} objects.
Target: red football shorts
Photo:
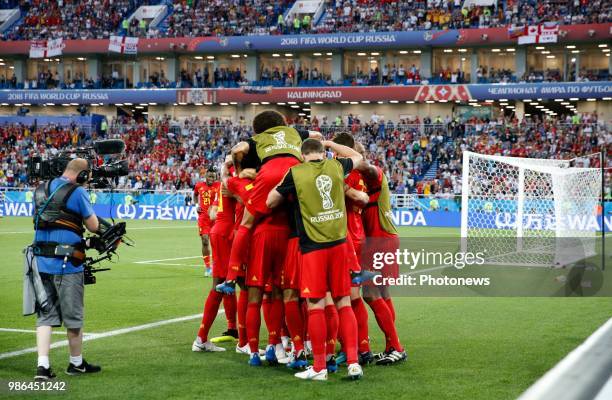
[
  {"x": 270, "y": 175},
  {"x": 290, "y": 276},
  {"x": 325, "y": 270},
  {"x": 268, "y": 249},
  {"x": 204, "y": 224},
  {"x": 221, "y": 247}
]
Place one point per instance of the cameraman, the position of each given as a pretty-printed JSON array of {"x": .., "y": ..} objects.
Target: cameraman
[{"x": 62, "y": 208}]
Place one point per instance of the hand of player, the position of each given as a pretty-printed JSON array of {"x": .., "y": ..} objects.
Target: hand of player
[
  {"x": 248, "y": 173},
  {"x": 315, "y": 135},
  {"x": 228, "y": 160},
  {"x": 199, "y": 209},
  {"x": 225, "y": 191}
]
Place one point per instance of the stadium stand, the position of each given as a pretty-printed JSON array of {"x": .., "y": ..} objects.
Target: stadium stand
[
  {"x": 420, "y": 156},
  {"x": 191, "y": 18}
]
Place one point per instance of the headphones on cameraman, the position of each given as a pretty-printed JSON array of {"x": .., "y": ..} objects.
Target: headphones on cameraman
[{"x": 83, "y": 176}]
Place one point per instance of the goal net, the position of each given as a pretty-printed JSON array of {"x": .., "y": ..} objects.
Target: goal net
[{"x": 529, "y": 212}]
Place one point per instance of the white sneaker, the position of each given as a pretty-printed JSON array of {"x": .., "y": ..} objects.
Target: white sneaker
[
  {"x": 355, "y": 371},
  {"x": 198, "y": 345},
  {"x": 311, "y": 375},
  {"x": 208, "y": 272},
  {"x": 244, "y": 349},
  {"x": 281, "y": 355}
]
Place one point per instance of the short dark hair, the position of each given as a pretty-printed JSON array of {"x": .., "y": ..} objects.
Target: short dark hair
[
  {"x": 345, "y": 139},
  {"x": 266, "y": 120},
  {"x": 312, "y": 146}
]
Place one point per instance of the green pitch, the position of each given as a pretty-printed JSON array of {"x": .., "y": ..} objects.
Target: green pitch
[{"x": 459, "y": 348}]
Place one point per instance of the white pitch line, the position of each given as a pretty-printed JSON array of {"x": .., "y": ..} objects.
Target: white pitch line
[
  {"x": 173, "y": 265},
  {"x": 129, "y": 229},
  {"x": 115, "y": 332},
  {"x": 31, "y": 331},
  {"x": 165, "y": 259}
]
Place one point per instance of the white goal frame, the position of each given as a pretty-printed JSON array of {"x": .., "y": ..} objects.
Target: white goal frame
[{"x": 560, "y": 193}]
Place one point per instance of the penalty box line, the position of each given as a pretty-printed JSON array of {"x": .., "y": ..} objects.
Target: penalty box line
[
  {"x": 161, "y": 261},
  {"x": 116, "y": 332}
]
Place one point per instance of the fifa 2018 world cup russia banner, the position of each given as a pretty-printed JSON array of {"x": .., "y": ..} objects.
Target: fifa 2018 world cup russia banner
[
  {"x": 123, "y": 44},
  {"x": 327, "y": 94},
  {"x": 46, "y": 48},
  {"x": 402, "y": 217}
]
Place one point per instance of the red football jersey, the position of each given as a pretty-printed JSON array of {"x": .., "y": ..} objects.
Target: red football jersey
[
  {"x": 240, "y": 187},
  {"x": 353, "y": 211},
  {"x": 226, "y": 209},
  {"x": 371, "y": 219},
  {"x": 205, "y": 194}
]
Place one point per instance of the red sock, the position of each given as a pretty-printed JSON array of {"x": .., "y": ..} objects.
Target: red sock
[
  {"x": 332, "y": 319},
  {"x": 348, "y": 332},
  {"x": 229, "y": 304},
  {"x": 385, "y": 322},
  {"x": 295, "y": 324},
  {"x": 275, "y": 321},
  {"x": 253, "y": 319},
  {"x": 206, "y": 261},
  {"x": 211, "y": 307},
  {"x": 240, "y": 248},
  {"x": 361, "y": 315},
  {"x": 389, "y": 302},
  {"x": 318, "y": 333},
  {"x": 243, "y": 301}
]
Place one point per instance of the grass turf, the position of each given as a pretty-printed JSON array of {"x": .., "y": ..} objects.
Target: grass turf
[{"x": 459, "y": 348}]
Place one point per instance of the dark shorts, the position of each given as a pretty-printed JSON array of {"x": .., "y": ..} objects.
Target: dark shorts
[{"x": 66, "y": 296}]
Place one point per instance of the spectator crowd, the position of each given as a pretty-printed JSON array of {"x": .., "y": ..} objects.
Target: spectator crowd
[
  {"x": 168, "y": 155},
  {"x": 97, "y": 19}
]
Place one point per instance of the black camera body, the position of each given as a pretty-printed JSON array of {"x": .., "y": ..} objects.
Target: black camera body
[
  {"x": 105, "y": 242},
  {"x": 45, "y": 169}
]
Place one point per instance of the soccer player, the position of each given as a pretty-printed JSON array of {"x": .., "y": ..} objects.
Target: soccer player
[
  {"x": 203, "y": 196},
  {"x": 273, "y": 149},
  {"x": 290, "y": 284},
  {"x": 223, "y": 213},
  {"x": 239, "y": 187},
  {"x": 357, "y": 199},
  {"x": 382, "y": 236},
  {"x": 317, "y": 186}
]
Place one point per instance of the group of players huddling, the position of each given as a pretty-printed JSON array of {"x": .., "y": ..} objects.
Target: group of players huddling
[{"x": 286, "y": 223}]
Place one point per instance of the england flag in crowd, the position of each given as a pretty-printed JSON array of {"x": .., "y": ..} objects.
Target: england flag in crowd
[
  {"x": 545, "y": 33},
  {"x": 46, "y": 48},
  {"x": 123, "y": 44}
]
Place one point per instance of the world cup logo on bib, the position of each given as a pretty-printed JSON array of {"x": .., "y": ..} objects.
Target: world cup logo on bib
[
  {"x": 280, "y": 139},
  {"x": 324, "y": 185}
]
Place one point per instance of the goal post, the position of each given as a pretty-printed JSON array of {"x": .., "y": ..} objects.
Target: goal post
[{"x": 531, "y": 212}]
